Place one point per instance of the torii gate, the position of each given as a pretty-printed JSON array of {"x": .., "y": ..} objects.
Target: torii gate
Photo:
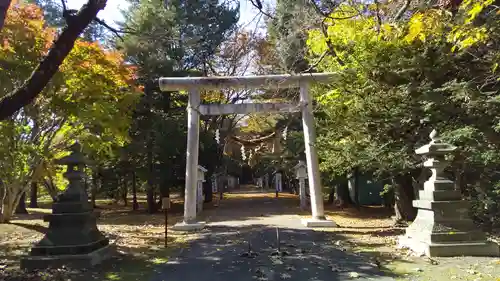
[{"x": 194, "y": 84}]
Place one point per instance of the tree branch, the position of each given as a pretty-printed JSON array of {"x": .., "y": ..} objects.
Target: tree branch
[
  {"x": 312, "y": 66},
  {"x": 329, "y": 44},
  {"x": 379, "y": 18},
  {"x": 114, "y": 30},
  {"x": 49, "y": 66},
  {"x": 327, "y": 14},
  {"x": 63, "y": 3},
  {"x": 257, "y": 4},
  {"x": 4, "y": 7},
  {"x": 402, "y": 10}
]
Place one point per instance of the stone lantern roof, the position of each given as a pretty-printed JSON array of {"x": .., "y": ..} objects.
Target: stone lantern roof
[
  {"x": 301, "y": 164},
  {"x": 436, "y": 146},
  {"x": 75, "y": 158}
]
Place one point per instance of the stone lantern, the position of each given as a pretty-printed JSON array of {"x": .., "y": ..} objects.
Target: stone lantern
[
  {"x": 443, "y": 227},
  {"x": 301, "y": 175},
  {"x": 72, "y": 238},
  {"x": 199, "y": 192}
]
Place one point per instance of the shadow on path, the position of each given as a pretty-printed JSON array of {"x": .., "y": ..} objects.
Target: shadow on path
[
  {"x": 34, "y": 227},
  {"x": 221, "y": 252}
]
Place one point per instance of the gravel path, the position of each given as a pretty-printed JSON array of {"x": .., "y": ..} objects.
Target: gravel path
[{"x": 221, "y": 253}]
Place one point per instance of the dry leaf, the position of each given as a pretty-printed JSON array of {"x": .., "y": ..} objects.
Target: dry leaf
[
  {"x": 353, "y": 275},
  {"x": 285, "y": 276}
]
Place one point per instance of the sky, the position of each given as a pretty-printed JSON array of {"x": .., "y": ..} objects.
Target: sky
[{"x": 112, "y": 12}]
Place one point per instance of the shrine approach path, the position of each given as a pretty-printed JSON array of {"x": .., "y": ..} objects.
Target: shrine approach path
[{"x": 250, "y": 221}]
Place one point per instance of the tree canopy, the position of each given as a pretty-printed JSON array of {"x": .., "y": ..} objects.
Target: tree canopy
[{"x": 88, "y": 100}]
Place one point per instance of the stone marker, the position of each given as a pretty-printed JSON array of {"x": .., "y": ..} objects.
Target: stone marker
[
  {"x": 72, "y": 238},
  {"x": 301, "y": 175},
  {"x": 199, "y": 189},
  {"x": 443, "y": 227}
]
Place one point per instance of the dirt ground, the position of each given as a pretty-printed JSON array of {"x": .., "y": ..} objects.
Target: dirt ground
[
  {"x": 139, "y": 239},
  {"x": 370, "y": 230}
]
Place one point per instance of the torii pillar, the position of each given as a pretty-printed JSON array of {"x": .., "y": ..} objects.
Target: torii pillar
[{"x": 194, "y": 84}]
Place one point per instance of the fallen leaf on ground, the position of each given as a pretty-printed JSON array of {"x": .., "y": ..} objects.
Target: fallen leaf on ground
[
  {"x": 353, "y": 275},
  {"x": 285, "y": 276}
]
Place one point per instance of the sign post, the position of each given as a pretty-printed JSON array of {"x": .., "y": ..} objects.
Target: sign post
[{"x": 215, "y": 189}]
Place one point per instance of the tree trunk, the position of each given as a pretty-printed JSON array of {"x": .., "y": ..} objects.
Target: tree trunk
[
  {"x": 404, "y": 195},
  {"x": 86, "y": 185},
  {"x": 49, "y": 65},
  {"x": 4, "y": 7},
  {"x": 342, "y": 191},
  {"x": 7, "y": 208},
  {"x": 21, "y": 206},
  {"x": 150, "y": 196},
  {"x": 117, "y": 188},
  {"x": 356, "y": 187},
  {"x": 125, "y": 191},
  {"x": 34, "y": 195},
  {"x": 9, "y": 203},
  {"x": 2, "y": 193},
  {"x": 207, "y": 190},
  {"x": 331, "y": 196},
  {"x": 49, "y": 185},
  {"x": 135, "y": 205}
]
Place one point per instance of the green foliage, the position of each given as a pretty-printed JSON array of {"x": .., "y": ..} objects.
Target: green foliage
[
  {"x": 175, "y": 41},
  {"x": 178, "y": 41},
  {"x": 399, "y": 81},
  {"x": 288, "y": 35}
]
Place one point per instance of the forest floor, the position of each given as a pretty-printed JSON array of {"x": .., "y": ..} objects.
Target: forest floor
[{"x": 141, "y": 255}]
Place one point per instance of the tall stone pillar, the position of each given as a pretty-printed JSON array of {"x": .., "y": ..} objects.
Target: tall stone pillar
[
  {"x": 443, "y": 227},
  {"x": 316, "y": 189},
  {"x": 191, "y": 186}
]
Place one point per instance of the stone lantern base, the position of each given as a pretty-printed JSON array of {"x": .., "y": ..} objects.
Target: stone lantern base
[
  {"x": 433, "y": 236},
  {"x": 72, "y": 238},
  {"x": 74, "y": 261},
  {"x": 443, "y": 228}
]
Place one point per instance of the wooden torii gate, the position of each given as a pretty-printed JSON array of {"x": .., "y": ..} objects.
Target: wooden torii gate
[{"x": 194, "y": 84}]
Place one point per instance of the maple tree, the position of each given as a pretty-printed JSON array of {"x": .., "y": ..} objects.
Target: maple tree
[
  {"x": 24, "y": 93},
  {"x": 89, "y": 99}
]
